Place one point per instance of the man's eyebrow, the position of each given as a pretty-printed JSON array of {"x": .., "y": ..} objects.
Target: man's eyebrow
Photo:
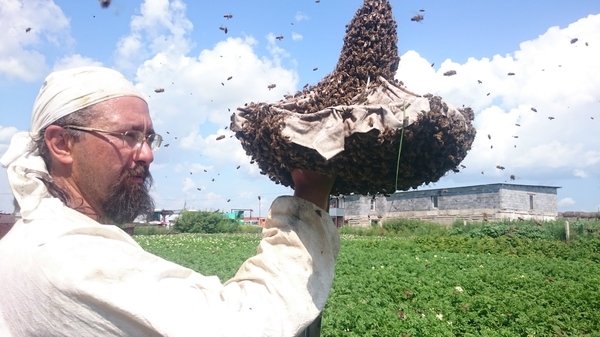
[{"x": 141, "y": 128}]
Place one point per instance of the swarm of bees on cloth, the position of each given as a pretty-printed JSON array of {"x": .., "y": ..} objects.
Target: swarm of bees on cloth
[{"x": 435, "y": 144}]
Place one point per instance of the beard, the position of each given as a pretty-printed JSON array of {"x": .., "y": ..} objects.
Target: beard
[{"x": 127, "y": 200}]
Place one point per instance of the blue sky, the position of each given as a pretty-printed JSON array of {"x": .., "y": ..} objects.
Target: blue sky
[{"x": 178, "y": 46}]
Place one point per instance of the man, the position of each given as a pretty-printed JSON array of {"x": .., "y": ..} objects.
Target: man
[{"x": 65, "y": 271}]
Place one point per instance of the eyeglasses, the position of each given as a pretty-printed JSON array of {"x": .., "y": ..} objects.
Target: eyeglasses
[{"x": 132, "y": 138}]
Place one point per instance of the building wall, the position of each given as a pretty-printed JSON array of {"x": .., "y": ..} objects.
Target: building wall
[
  {"x": 471, "y": 203},
  {"x": 6, "y": 223}
]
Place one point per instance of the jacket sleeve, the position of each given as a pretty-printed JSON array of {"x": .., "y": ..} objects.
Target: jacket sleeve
[{"x": 107, "y": 285}]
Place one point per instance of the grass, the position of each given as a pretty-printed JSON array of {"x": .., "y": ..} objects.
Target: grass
[{"x": 423, "y": 279}]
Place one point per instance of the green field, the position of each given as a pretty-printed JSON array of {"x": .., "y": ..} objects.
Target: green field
[{"x": 448, "y": 282}]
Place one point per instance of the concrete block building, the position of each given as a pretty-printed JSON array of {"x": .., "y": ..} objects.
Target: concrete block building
[{"x": 470, "y": 203}]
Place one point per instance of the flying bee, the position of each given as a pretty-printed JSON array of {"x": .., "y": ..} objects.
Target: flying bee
[
  {"x": 279, "y": 37},
  {"x": 450, "y": 73},
  {"x": 315, "y": 69},
  {"x": 550, "y": 118},
  {"x": 511, "y": 74},
  {"x": 224, "y": 29},
  {"x": 104, "y": 3},
  {"x": 159, "y": 90},
  {"x": 417, "y": 18},
  {"x": 220, "y": 137},
  {"x": 574, "y": 40},
  {"x": 228, "y": 16},
  {"x": 534, "y": 109},
  {"x": 229, "y": 78},
  {"x": 27, "y": 30},
  {"x": 500, "y": 167},
  {"x": 271, "y": 86}
]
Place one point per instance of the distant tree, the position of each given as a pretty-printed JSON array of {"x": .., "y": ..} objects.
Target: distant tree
[{"x": 204, "y": 222}]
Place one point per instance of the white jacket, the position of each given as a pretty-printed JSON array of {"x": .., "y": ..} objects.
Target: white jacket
[{"x": 63, "y": 274}]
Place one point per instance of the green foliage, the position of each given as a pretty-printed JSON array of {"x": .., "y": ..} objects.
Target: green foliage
[
  {"x": 153, "y": 230},
  {"x": 435, "y": 284},
  {"x": 204, "y": 222}
]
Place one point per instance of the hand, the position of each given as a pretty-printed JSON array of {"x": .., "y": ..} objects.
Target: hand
[{"x": 313, "y": 186}]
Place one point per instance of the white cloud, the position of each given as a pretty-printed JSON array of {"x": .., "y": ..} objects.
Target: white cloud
[
  {"x": 559, "y": 79},
  {"x": 580, "y": 173},
  {"x": 297, "y": 36},
  {"x": 160, "y": 28},
  {"x": 566, "y": 202},
  {"x": 27, "y": 27},
  {"x": 75, "y": 60},
  {"x": 301, "y": 17}
]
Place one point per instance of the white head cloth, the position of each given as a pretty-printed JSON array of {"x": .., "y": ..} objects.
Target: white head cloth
[{"x": 63, "y": 93}]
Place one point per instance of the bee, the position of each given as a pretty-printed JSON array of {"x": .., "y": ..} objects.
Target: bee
[
  {"x": 166, "y": 145},
  {"x": 279, "y": 37},
  {"x": 422, "y": 10},
  {"x": 534, "y": 109},
  {"x": 489, "y": 136},
  {"x": 213, "y": 179},
  {"x": 574, "y": 40},
  {"x": 228, "y": 16},
  {"x": 417, "y": 18},
  {"x": 224, "y": 29},
  {"x": 550, "y": 118},
  {"x": 500, "y": 167},
  {"x": 488, "y": 94},
  {"x": 27, "y": 30},
  {"x": 370, "y": 122},
  {"x": 315, "y": 69},
  {"x": 512, "y": 177},
  {"x": 159, "y": 90},
  {"x": 228, "y": 200},
  {"x": 229, "y": 78},
  {"x": 271, "y": 86},
  {"x": 220, "y": 137},
  {"x": 463, "y": 166},
  {"x": 515, "y": 136},
  {"x": 205, "y": 171},
  {"x": 104, "y": 3},
  {"x": 518, "y": 124},
  {"x": 450, "y": 73},
  {"x": 238, "y": 167},
  {"x": 198, "y": 188},
  {"x": 511, "y": 74},
  {"x": 479, "y": 81}
]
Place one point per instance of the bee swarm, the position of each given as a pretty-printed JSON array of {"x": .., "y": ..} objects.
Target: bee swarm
[{"x": 432, "y": 145}]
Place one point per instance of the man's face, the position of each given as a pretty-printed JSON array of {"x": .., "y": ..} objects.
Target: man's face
[{"x": 111, "y": 177}]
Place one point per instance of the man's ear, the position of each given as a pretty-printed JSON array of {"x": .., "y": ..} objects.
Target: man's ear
[{"x": 59, "y": 144}]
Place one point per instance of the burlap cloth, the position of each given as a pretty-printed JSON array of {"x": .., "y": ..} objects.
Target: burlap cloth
[{"x": 358, "y": 123}]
